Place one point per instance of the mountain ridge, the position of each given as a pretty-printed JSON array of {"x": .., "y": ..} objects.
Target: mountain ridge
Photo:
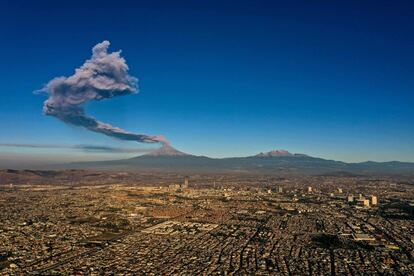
[{"x": 169, "y": 159}]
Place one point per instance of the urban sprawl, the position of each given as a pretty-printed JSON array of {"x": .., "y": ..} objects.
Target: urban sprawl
[{"x": 94, "y": 223}]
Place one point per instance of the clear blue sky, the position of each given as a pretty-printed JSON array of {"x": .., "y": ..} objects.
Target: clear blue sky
[{"x": 220, "y": 78}]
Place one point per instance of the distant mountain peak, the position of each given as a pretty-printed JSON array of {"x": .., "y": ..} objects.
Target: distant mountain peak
[
  {"x": 275, "y": 153},
  {"x": 166, "y": 150},
  {"x": 278, "y": 153}
]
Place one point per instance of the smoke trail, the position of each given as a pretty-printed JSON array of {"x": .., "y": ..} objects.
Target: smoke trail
[
  {"x": 86, "y": 148},
  {"x": 104, "y": 76}
]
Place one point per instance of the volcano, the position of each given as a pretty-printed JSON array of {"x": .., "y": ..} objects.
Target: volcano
[
  {"x": 279, "y": 153},
  {"x": 274, "y": 153},
  {"x": 167, "y": 150}
]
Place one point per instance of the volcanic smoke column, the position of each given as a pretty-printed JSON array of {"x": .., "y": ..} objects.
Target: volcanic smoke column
[{"x": 104, "y": 76}]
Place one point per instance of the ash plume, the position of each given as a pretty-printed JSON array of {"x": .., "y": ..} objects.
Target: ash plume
[
  {"x": 103, "y": 76},
  {"x": 86, "y": 148}
]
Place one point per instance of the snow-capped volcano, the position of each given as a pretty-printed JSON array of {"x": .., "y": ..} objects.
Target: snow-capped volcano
[
  {"x": 280, "y": 153},
  {"x": 166, "y": 150},
  {"x": 275, "y": 153}
]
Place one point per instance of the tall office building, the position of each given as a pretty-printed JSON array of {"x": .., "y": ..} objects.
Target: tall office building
[
  {"x": 374, "y": 200},
  {"x": 363, "y": 202},
  {"x": 185, "y": 184}
]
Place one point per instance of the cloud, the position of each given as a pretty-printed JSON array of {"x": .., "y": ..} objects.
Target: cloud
[{"x": 103, "y": 76}]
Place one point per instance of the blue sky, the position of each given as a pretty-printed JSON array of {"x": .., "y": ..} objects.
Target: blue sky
[{"x": 333, "y": 80}]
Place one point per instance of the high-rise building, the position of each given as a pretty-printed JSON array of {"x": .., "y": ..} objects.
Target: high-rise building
[
  {"x": 309, "y": 189},
  {"x": 374, "y": 200},
  {"x": 363, "y": 202},
  {"x": 185, "y": 184},
  {"x": 340, "y": 190},
  {"x": 350, "y": 198},
  {"x": 280, "y": 190}
]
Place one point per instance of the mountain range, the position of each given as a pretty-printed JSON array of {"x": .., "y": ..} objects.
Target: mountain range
[{"x": 168, "y": 159}]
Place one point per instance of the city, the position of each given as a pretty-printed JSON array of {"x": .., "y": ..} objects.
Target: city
[{"x": 208, "y": 225}]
